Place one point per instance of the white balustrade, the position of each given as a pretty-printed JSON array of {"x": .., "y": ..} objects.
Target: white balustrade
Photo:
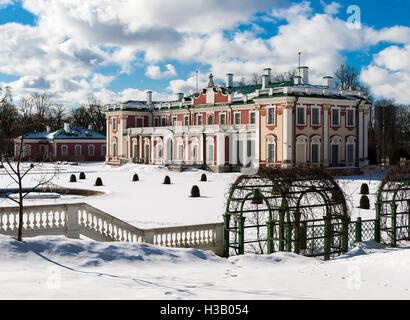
[{"x": 73, "y": 220}]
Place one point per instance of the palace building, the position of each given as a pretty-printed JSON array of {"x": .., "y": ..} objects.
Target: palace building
[{"x": 228, "y": 128}]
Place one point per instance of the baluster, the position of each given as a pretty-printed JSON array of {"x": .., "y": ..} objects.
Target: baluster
[{"x": 7, "y": 222}]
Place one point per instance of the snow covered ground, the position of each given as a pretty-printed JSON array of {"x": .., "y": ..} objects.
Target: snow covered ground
[
  {"x": 58, "y": 268},
  {"x": 149, "y": 203}
]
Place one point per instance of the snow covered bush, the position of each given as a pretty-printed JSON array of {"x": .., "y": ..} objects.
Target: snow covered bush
[
  {"x": 364, "y": 189},
  {"x": 135, "y": 177},
  {"x": 82, "y": 176},
  {"x": 167, "y": 180},
  {"x": 195, "y": 192},
  {"x": 98, "y": 182},
  {"x": 364, "y": 203},
  {"x": 73, "y": 178},
  {"x": 203, "y": 177}
]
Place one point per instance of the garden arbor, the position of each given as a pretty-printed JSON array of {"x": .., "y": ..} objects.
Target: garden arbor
[
  {"x": 393, "y": 206},
  {"x": 295, "y": 210}
]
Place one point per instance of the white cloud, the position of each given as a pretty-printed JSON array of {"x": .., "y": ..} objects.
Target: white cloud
[
  {"x": 5, "y": 3},
  {"x": 154, "y": 72},
  {"x": 332, "y": 8},
  {"x": 64, "y": 52}
]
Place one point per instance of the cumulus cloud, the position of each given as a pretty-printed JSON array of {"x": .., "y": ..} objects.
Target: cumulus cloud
[
  {"x": 154, "y": 72},
  {"x": 72, "y": 40}
]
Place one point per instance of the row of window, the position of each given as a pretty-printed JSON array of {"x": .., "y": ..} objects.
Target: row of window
[
  {"x": 64, "y": 150},
  {"x": 210, "y": 120},
  {"x": 315, "y": 153},
  {"x": 315, "y": 117}
]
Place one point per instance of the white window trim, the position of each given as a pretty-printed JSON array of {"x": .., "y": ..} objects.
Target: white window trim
[
  {"x": 62, "y": 153},
  {"x": 89, "y": 148},
  {"x": 220, "y": 118},
  {"x": 197, "y": 119},
  {"x": 331, "y": 117},
  {"x": 304, "y": 116},
  {"x": 240, "y": 118},
  {"x": 250, "y": 116},
  {"x": 185, "y": 118},
  {"x": 311, "y": 117},
  {"x": 213, "y": 119},
  {"x": 347, "y": 152},
  {"x": 268, "y": 142},
  {"x": 75, "y": 150},
  {"x": 311, "y": 152},
  {"x": 347, "y": 118},
  {"x": 274, "y": 116},
  {"x": 102, "y": 148},
  {"x": 26, "y": 150}
]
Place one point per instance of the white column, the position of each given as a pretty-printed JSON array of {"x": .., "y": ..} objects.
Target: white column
[
  {"x": 123, "y": 125},
  {"x": 287, "y": 134},
  {"x": 245, "y": 158},
  {"x": 232, "y": 147},
  {"x": 326, "y": 134},
  {"x": 152, "y": 149},
  {"x": 366, "y": 135},
  {"x": 186, "y": 150},
  {"x": 256, "y": 138},
  {"x": 361, "y": 131},
  {"x": 201, "y": 149},
  {"x": 221, "y": 149}
]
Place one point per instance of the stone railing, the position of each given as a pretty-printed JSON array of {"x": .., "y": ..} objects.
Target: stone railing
[{"x": 73, "y": 220}]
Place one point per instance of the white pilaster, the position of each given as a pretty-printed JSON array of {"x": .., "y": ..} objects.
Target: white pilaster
[
  {"x": 256, "y": 136},
  {"x": 287, "y": 134},
  {"x": 221, "y": 149},
  {"x": 361, "y": 132},
  {"x": 186, "y": 150},
  {"x": 326, "y": 134},
  {"x": 232, "y": 147}
]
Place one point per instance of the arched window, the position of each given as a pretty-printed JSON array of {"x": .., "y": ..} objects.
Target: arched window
[
  {"x": 301, "y": 149},
  {"x": 114, "y": 147},
  {"x": 210, "y": 119},
  {"x": 194, "y": 149},
  {"x": 315, "y": 150},
  {"x": 271, "y": 149},
  {"x": 210, "y": 156},
  {"x": 335, "y": 143},
  {"x": 350, "y": 150}
]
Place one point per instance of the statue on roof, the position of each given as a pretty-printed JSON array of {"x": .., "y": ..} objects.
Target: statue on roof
[{"x": 211, "y": 83}]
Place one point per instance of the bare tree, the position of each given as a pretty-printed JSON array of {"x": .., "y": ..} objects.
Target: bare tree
[
  {"x": 18, "y": 171},
  {"x": 283, "y": 76},
  {"x": 347, "y": 77},
  {"x": 255, "y": 79}
]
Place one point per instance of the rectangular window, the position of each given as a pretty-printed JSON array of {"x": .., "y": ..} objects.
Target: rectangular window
[
  {"x": 271, "y": 153},
  {"x": 104, "y": 150},
  {"x": 252, "y": 118},
  {"x": 335, "y": 117},
  {"x": 26, "y": 151},
  {"x": 91, "y": 151},
  {"x": 210, "y": 153},
  {"x": 114, "y": 149},
  {"x": 315, "y": 153},
  {"x": 199, "y": 120},
  {"x": 301, "y": 116},
  {"x": 237, "y": 118},
  {"x": 174, "y": 121},
  {"x": 78, "y": 150},
  {"x": 156, "y": 122},
  {"x": 315, "y": 117},
  {"x": 114, "y": 124},
  {"x": 64, "y": 151},
  {"x": 350, "y": 117},
  {"x": 350, "y": 153},
  {"x": 186, "y": 121},
  {"x": 223, "y": 118},
  {"x": 271, "y": 116}
]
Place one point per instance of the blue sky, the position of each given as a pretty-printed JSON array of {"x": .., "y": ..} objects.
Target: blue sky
[{"x": 116, "y": 50}]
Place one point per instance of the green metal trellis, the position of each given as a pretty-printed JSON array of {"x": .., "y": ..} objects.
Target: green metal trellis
[{"x": 296, "y": 210}]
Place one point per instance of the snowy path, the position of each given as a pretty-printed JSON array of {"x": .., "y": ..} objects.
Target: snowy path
[{"x": 57, "y": 268}]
